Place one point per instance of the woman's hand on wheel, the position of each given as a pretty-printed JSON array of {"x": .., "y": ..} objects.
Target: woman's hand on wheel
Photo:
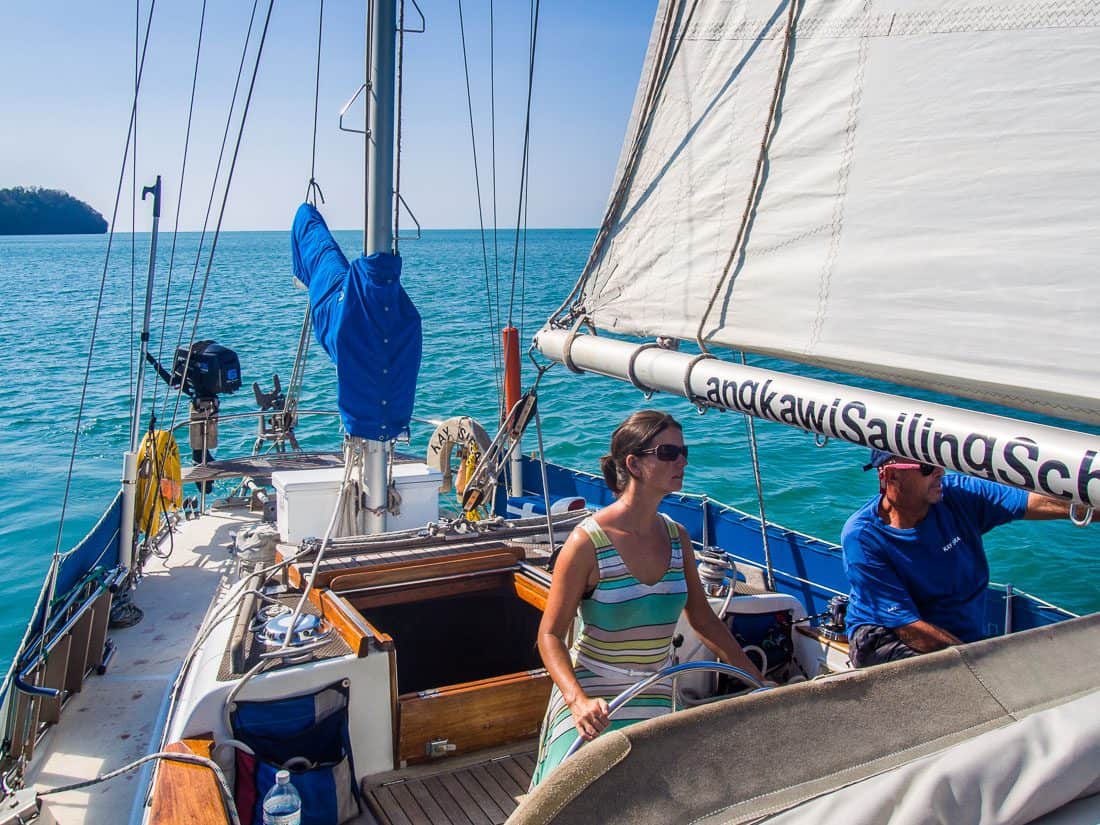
[{"x": 589, "y": 715}]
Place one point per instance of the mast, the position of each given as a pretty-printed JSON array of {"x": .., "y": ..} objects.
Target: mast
[
  {"x": 381, "y": 55},
  {"x": 378, "y": 214}
]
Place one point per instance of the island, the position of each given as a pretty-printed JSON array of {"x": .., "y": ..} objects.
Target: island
[{"x": 35, "y": 211}]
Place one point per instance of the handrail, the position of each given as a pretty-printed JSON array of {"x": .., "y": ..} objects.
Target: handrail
[
  {"x": 664, "y": 673},
  {"x": 179, "y": 425},
  {"x": 112, "y": 579},
  {"x": 20, "y": 680}
]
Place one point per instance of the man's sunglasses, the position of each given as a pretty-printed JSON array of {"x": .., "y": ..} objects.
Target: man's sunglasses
[
  {"x": 925, "y": 469},
  {"x": 665, "y": 452}
]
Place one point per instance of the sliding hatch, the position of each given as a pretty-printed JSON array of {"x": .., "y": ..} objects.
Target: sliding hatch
[{"x": 463, "y": 626}]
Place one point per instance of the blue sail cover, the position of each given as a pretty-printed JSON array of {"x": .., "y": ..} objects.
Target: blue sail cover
[{"x": 366, "y": 323}]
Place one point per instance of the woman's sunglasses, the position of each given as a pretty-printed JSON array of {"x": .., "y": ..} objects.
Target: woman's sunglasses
[
  {"x": 925, "y": 469},
  {"x": 665, "y": 452}
]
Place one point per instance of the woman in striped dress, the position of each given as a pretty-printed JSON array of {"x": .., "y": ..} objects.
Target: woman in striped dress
[{"x": 631, "y": 571}]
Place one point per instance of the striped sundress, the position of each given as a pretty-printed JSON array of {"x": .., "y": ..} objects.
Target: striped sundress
[{"x": 626, "y": 635}]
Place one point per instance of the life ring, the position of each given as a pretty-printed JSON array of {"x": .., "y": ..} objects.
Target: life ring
[
  {"x": 160, "y": 485},
  {"x": 472, "y": 441}
]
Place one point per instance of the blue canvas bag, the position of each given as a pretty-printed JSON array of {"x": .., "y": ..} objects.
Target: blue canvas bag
[{"x": 306, "y": 735}]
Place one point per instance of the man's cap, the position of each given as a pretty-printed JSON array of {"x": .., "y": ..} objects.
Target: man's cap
[{"x": 878, "y": 458}]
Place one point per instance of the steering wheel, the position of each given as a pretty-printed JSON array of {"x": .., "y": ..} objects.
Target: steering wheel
[{"x": 661, "y": 675}]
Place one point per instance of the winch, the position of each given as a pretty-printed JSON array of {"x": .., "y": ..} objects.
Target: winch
[
  {"x": 833, "y": 627},
  {"x": 308, "y": 629},
  {"x": 715, "y": 570}
]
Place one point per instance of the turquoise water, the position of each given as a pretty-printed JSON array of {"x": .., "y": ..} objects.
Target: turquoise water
[{"x": 52, "y": 287}]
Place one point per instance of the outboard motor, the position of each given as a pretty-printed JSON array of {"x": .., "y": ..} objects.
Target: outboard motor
[
  {"x": 206, "y": 369},
  {"x": 203, "y": 371}
]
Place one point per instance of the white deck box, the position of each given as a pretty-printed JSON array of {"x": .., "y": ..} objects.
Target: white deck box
[{"x": 306, "y": 499}]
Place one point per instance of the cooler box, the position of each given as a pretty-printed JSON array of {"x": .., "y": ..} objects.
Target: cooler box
[
  {"x": 418, "y": 484},
  {"x": 306, "y": 499}
]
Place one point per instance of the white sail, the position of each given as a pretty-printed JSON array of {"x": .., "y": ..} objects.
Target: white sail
[{"x": 929, "y": 205}]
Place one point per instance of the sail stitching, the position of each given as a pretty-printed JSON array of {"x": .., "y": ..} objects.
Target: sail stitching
[
  {"x": 973, "y": 18},
  {"x": 902, "y": 24},
  {"x": 840, "y": 199}
]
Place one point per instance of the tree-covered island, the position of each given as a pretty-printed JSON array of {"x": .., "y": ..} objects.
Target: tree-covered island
[{"x": 34, "y": 211}]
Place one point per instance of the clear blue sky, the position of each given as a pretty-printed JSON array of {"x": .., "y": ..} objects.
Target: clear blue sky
[{"x": 68, "y": 69}]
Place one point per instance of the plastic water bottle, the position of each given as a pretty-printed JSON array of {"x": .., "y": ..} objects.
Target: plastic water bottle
[{"x": 282, "y": 805}]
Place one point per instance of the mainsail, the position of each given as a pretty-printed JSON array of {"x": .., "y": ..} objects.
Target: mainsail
[{"x": 925, "y": 212}]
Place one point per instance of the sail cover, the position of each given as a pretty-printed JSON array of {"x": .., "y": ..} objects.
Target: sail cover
[
  {"x": 366, "y": 323},
  {"x": 928, "y": 206}
]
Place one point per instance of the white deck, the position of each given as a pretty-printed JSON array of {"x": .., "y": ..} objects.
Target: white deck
[{"x": 115, "y": 718}]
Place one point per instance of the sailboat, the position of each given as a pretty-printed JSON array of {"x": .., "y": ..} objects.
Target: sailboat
[
  {"x": 785, "y": 162},
  {"x": 843, "y": 185}
]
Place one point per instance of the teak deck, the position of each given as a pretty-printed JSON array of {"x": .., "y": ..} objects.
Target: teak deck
[{"x": 485, "y": 793}]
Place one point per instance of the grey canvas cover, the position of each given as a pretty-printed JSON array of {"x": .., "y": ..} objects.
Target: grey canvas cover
[{"x": 751, "y": 758}]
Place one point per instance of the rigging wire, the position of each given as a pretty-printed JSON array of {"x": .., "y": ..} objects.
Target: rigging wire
[
  {"x": 313, "y": 186},
  {"x": 662, "y": 63},
  {"x": 133, "y": 202},
  {"x": 492, "y": 319},
  {"x": 737, "y": 252},
  {"x": 51, "y": 576},
  {"x": 210, "y": 206},
  {"x": 102, "y": 288},
  {"x": 297, "y": 373},
  {"x": 526, "y": 184},
  {"x": 750, "y": 423},
  {"x": 493, "y": 151},
  {"x": 228, "y": 183},
  {"x": 179, "y": 201},
  {"x": 525, "y": 164}
]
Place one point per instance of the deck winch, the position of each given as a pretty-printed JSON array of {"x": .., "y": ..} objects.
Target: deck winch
[
  {"x": 715, "y": 571},
  {"x": 833, "y": 627},
  {"x": 274, "y": 626}
]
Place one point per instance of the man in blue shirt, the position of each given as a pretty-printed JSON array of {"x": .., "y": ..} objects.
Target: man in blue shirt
[{"x": 915, "y": 559}]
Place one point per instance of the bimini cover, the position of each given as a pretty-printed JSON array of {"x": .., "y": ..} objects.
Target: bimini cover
[{"x": 366, "y": 323}]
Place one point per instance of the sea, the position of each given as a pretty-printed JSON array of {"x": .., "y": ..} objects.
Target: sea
[{"x": 66, "y": 417}]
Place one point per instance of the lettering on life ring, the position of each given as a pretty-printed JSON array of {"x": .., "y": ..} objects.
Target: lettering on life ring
[{"x": 471, "y": 440}]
